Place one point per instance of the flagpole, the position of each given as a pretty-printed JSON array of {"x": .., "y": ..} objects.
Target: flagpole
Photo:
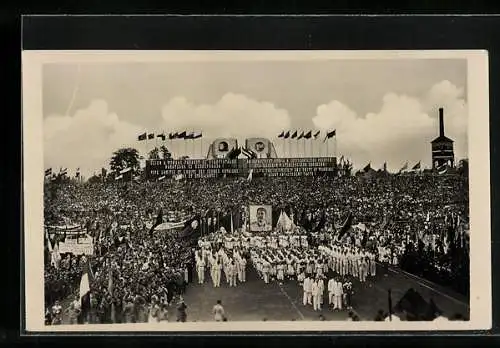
[{"x": 185, "y": 145}]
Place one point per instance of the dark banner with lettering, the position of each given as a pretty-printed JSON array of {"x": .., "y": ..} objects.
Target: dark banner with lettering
[{"x": 216, "y": 168}]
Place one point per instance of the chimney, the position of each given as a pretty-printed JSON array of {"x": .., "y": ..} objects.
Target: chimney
[{"x": 441, "y": 123}]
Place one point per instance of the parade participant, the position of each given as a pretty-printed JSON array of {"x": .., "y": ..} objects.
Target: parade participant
[
  {"x": 163, "y": 314},
  {"x": 232, "y": 272},
  {"x": 338, "y": 292},
  {"x": 348, "y": 292},
  {"x": 181, "y": 311},
  {"x": 154, "y": 310},
  {"x": 128, "y": 310},
  {"x": 200, "y": 266},
  {"x": 309, "y": 268},
  {"x": 321, "y": 290},
  {"x": 242, "y": 262},
  {"x": 280, "y": 271},
  {"x": 217, "y": 274},
  {"x": 315, "y": 295},
  {"x": 266, "y": 267},
  {"x": 307, "y": 291},
  {"x": 363, "y": 269},
  {"x": 74, "y": 310},
  {"x": 218, "y": 311},
  {"x": 57, "y": 313}
]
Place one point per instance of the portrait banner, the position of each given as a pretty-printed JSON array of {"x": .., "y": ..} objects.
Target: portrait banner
[{"x": 261, "y": 218}]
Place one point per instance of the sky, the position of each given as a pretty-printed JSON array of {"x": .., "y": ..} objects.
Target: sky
[{"x": 383, "y": 110}]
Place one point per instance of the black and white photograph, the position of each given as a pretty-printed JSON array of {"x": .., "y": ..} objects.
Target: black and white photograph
[{"x": 270, "y": 190}]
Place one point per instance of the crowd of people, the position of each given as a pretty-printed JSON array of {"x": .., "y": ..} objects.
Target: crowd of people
[{"x": 405, "y": 221}]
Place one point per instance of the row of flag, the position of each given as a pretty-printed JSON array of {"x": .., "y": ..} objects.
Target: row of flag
[
  {"x": 416, "y": 168},
  {"x": 306, "y": 135},
  {"x": 170, "y": 136},
  {"x": 63, "y": 172}
]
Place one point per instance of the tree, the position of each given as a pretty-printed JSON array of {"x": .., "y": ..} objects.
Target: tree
[
  {"x": 95, "y": 179},
  {"x": 124, "y": 158},
  {"x": 463, "y": 167},
  {"x": 154, "y": 154},
  {"x": 166, "y": 154}
]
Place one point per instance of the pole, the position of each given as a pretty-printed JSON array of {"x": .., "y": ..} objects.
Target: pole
[
  {"x": 201, "y": 144},
  {"x": 335, "y": 153},
  {"x": 110, "y": 289}
]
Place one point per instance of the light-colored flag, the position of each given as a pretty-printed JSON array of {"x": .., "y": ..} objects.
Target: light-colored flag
[{"x": 250, "y": 175}]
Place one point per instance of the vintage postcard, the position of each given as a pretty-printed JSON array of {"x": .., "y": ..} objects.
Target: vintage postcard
[{"x": 256, "y": 191}]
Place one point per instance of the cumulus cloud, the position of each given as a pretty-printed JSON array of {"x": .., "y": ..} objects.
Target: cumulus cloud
[
  {"x": 86, "y": 139},
  {"x": 401, "y": 130},
  {"x": 234, "y": 115}
]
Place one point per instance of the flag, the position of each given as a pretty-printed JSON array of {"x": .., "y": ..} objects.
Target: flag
[
  {"x": 367, "y": 167},
  {"x": 191, "y": 228},
  {"x": 300, "y": 136},
  {"x": 119, "y": 177},
  {"x": 346, "y": 226},
  {"x": 232, "y": 225},
  {"x": 250, "y": 175},
  {"x": 126, "y": 170},
  {"x": 385, "y": 166},
  {"x": 189, "y": 135},
  {"x": 234, "y": 153},
  {"x": 281, "y": 135},
  {"x": 181, "y": 135},
  {"x": 442, "y": 169},
  {"x": 294, "y": 135},
  {"x": 77, "y": 172},
  {"x": 85, "y": 283},
  {"x": 441, "y": 172},
  {"x": 330, "y": 134},
  {"x": 416, "y": 166},
  {"x": 308, "y": 135},
  {"x": 162, "y": 136},
  {"x": 287, "y": 135},
  {"x": 85, "y": 280},
  {"x": 158, "y": 221},
  {"x": 151, "y": 136},
  {"x": 316, "y": 135},
  {"x": 48, "y": 172},
  {"x": 172, "y": 135},
  {"x": 197, "y": 135},
  {"x": 405, "y": 167},
  {"x": 142, "y": 137},
  {"x": 248, "y": 153},
  {"x": 161, "y": 178}
]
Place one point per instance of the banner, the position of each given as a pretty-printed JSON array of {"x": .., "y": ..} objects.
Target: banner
[
  {"x": 261, "y": 217},
  {"x": 222, "y": 146},
  {"x": 77, "y": 247},
  {"x": 259, "y": 146},
  {"x": 215, "y": 168}
]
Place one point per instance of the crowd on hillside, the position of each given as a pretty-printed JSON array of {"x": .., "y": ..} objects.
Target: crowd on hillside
[{"x": 407, "y": 216}]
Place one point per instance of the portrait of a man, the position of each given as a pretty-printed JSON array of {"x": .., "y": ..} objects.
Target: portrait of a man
[
  {"x": 259, "y": 146},
  {"x": 260, "y": 218},
  {"x": 223, "y": 146}
]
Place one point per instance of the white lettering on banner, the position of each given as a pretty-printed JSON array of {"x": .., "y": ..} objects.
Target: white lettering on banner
[{"x": 77, "y": 248}]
